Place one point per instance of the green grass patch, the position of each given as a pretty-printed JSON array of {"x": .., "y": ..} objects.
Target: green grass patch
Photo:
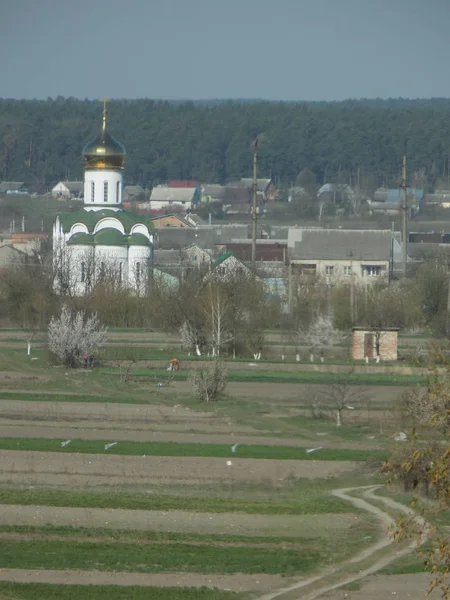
[
  {"x": 125, "y": 535},
  {"x": 422, "y": 505},
  {"x": 157, "y": 558},
  {"x": 305, "y": 377},
  {"x": 41, "y": 591},
  {"x": 188, "y": 449},
  {"x": 314, "y": 502}
]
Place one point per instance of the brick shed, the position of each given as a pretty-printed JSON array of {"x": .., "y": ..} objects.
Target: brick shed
[{"x": 367, "y": 343}]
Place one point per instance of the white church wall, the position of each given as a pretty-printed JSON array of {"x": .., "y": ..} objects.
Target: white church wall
[
  {"x": 138, "y": 266},
  {"x": 96, "y": 195}
]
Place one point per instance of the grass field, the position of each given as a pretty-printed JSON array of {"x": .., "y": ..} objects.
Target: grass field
[
  {"x": 305, "y": 503},
  {"x": 39, "y": 591},
  {"x": 174, "y": 449},
  {"x": 272, "y": 515}
]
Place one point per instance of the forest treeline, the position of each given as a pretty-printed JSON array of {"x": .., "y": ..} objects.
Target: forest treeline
[{"x": 354, "y": 141}]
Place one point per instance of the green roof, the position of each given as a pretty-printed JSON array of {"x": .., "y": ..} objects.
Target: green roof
[
  {"x": 138, "y": 239},
  {"x": 81, "y": 238},
  {"x": 110, "y": 237},
  {"x": 223, "y": 257},
  {"x": 90, "y": 218}
]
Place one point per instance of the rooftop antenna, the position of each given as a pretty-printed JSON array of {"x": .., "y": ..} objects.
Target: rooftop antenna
[
  {"x": 404, "y": 206},
  {"x": 254, "y": 198}
]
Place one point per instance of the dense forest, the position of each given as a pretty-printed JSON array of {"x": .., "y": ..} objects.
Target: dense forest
[{"x": 353, "y": 141}]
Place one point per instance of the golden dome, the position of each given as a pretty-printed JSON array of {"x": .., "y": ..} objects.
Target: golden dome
[{"x": 104, "y": 152}]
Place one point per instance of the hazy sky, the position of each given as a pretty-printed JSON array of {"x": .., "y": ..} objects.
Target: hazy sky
[{"x": 282, "y": 49}]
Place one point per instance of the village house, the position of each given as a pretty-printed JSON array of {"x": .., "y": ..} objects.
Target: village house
[
  {"x": 163, "y": 196},
  {"x": 359, "y": 256},
  {"x": 134, "y": 193},
  {"x": 170, "y": 220},
  {"x": 227, "y": 265},
  {"x": 12, "y": 187},
  {"x": 212, "y": 192},
  {"x": 66, "y": 190},
  {"x": 266, "y": 187}
]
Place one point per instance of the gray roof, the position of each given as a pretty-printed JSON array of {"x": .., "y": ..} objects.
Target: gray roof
[
  {"x": 262, "y": 183},
  {"x": 174, "y": 238},
  {"x": 214, "y": 190},
  {"x": 170, "y": 194},
  {"x": 342, "y": 244},
  {"x": 11, "y": 185},
  {"x": 134, "y": 190},
  {"x": 192, "y": 217},
  {"x": 74, "y": 186}
]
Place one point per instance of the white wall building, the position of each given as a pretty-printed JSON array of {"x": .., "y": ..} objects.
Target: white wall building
[{"x": 102, "y": 240}]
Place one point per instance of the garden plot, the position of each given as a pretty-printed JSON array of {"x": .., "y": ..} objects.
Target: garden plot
[
  {"x": 207, "y": 523},
  {"x": 93, "y": 470}
]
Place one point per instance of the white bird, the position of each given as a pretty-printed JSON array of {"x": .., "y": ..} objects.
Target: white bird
[
  {"x": 66, "y": 443},
  {"x": 229, "y": 463},
  {"x": 309, "y": 450},
  {"x": 234, "y": 448},
  {"x": 351, "y": 407},
  {"x": 108, "y": 446}
]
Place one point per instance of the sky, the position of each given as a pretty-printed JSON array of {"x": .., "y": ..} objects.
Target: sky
[{"x": 206, "y": 49}]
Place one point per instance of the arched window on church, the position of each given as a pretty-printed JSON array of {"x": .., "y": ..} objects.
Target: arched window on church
[
  {"x": 92, "y": 191},
  {"x": 105, "y": 191},
  {"x": 118, "y": 192}
]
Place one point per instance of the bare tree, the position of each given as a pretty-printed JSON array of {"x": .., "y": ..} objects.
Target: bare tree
[
  {"x": 72, "y": 335},
  {"x": 341, "y": 396},
  {"x": 217, "y": 308}
]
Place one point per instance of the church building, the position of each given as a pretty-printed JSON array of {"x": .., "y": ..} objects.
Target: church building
[{"x": 102, "y": 240}]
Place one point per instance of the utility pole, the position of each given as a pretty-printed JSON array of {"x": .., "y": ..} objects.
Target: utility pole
[
  {"x": 254, "y": 199},
  {"x": 404, "y": 187}
]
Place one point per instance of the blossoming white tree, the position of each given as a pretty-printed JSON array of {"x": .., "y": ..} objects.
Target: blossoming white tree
[{"x": 71, "y": 335}]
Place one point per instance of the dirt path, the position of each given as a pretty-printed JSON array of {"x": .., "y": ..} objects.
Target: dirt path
[{"x": 366, "y": 562}]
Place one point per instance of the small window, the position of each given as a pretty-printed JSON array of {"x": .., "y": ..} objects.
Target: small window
[
  {"x": 92, "y": 191},
  {"x": 372, "y": 270},
  {"x": 118, "y": 192},
  {"x": 329, "y": 270},
  {"x": 138, "y": 273},
  {"x": 304, "y": 269},
  {"x": 105, "y": 191},
  {"x": 83, "y": 272},
  {"x": 347, "y": 270}
]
